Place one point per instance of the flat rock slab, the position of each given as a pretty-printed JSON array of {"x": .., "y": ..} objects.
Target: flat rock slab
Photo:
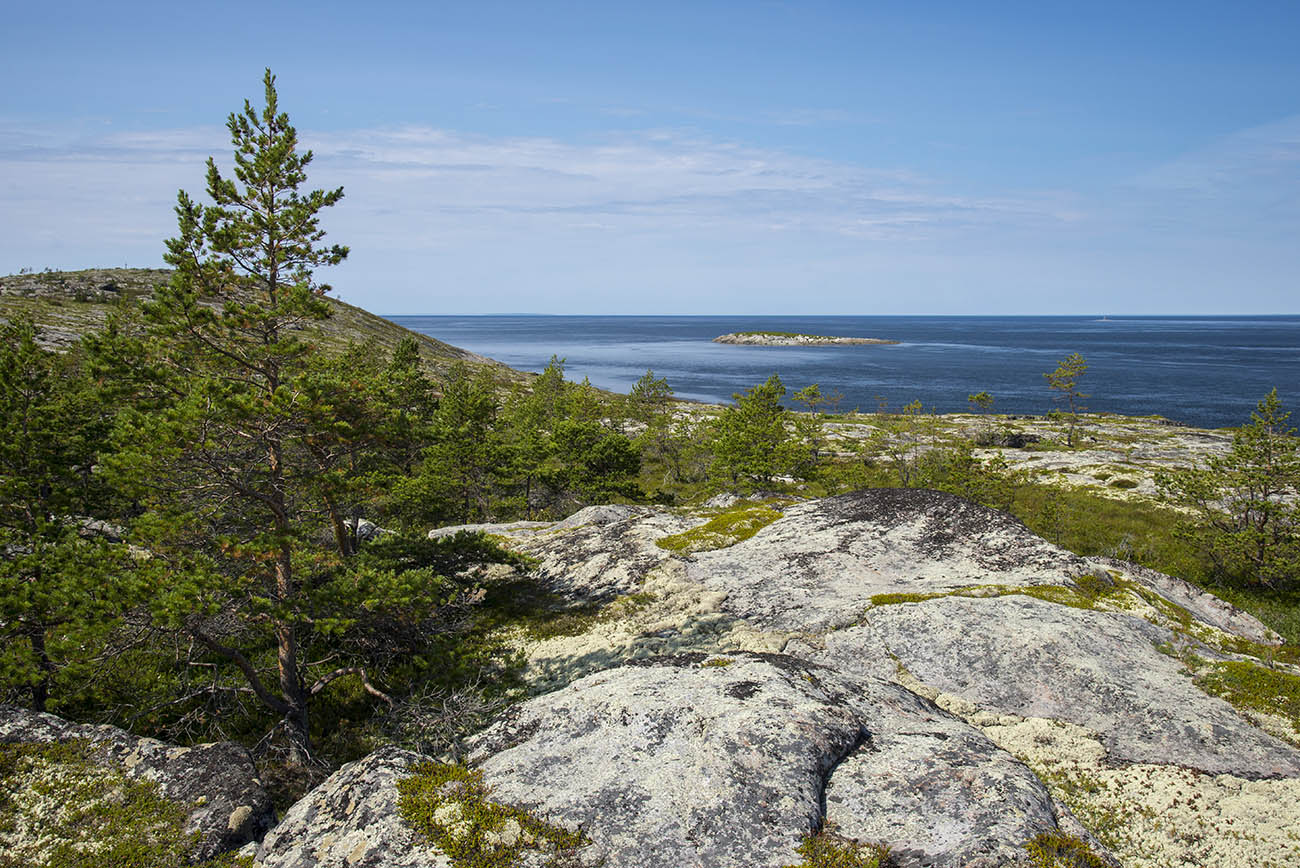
[
  {"x": 676, "y": 763},
  {"x": 217, "y": 782},
  {"x": 1100, "y": 670},
  {"x": 937, "y": 791},
  {"x": 817, "y": 567},
  {"x": 679, "y": 762}
]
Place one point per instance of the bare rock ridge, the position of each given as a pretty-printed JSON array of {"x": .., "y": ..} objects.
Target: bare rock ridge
[{"x": 893, "y": 666}]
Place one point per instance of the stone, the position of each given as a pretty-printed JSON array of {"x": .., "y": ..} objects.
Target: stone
[
  {"x": 227, "y": 805},
  {"x": 1100, "y": 670},
  {"x": 350, "y": 820},
  {"x": 701, "y": 761},
  {"x": 941, "y": 672},
  {"x": 818, "y": 567}
]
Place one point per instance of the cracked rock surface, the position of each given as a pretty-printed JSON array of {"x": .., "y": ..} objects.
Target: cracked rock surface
[
  {"x": 351, "y": 819},
  {"x": 707, "y": 761},
  {"x": 1100, "y": 670}
]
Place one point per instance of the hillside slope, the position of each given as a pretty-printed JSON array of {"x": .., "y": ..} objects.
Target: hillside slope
[{"x": 69, "y": 304}]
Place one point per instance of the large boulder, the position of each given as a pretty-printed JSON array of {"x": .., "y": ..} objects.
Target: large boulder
[
  {"x": 215, "y": 785},
  {"x": 1101, "y": 670},
  {"x": 817, "y": 568},
  {"x": 351, "y": 819},
  {"x": 708, "y": 761}
]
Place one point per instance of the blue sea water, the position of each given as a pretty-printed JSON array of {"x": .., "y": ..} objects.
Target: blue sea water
[{"x": 1203, "y": 371}]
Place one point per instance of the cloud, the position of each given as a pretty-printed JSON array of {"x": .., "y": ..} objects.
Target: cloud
[
  {"x": 440, "y": 220},
  {"x": 659, "y": 181},
  {"x": 1245, "y": 182},
  {"x": 407, "y": 186}
]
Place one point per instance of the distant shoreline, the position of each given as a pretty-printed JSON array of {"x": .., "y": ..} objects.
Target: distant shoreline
[{"x": 792, "y": 339}]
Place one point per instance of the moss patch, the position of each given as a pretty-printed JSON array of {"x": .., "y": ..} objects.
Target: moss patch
[
  {"x": 1088, "y": 591},
  {"x": 723, "y": 530},
  {"x": 60, "y": 809},
  {"x": 449, "y": 806},
  {"x": 831, "y": 851},
  {"x": 1058, "y": 850},
  {"x": 1257, "y": 688}
]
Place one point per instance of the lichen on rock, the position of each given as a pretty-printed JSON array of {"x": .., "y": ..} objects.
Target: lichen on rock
[{"x": 84, "y": 788}]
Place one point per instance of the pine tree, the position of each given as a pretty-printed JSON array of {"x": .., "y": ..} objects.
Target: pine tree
[
  {"x": 242, "y": 462},
  {"x": 1065, "y": 381},
  {"x": 62, "y": 587},
  {"x": 750, "y": 441},
  {"x": 1246, "y": 502}
]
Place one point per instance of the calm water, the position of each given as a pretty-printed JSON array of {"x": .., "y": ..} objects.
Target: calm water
[{"x": 1204, "y": 371}]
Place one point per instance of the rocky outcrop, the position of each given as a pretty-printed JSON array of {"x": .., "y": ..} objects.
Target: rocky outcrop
[
  {"x": 818, "y": 568},
  {"x": 900, "y": 667},
  {"x": 781, "y": 339},
  {"x": 351, "y": 819},
  {"x": 709, "y": 761},
  {"x": 215, "y": 784},
  {"x": 964, "y": 606}
]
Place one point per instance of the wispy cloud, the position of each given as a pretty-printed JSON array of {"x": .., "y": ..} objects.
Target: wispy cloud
[
  {"x": 403, "y": 181},
  {"x": 1248, "y": 181}
]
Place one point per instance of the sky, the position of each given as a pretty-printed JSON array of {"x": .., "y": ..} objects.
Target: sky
[{"x": 693, "y": 157}]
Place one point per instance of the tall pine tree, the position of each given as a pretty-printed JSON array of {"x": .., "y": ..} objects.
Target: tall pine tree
[{"x": 241, "y": 462}]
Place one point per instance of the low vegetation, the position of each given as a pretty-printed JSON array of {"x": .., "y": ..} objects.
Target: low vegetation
[
  {"x": 1058, "y": 850},
  {"x": 826, "y": 850},
  {"x": 1257, "y": 688},
  {"x": 450, "y": 807},
  {"x": 725, "y": 529},
  {"x": 60, "y": 809}
]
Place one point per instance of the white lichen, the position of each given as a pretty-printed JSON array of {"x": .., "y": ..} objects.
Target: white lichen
[{"x": 1159, "y": 816}]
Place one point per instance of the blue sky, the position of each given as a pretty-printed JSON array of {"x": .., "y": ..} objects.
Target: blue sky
[{"x": 696, "y": 157}]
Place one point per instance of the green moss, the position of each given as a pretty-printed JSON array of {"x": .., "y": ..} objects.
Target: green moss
[
  {"x": 1058, "y": 594},
  {"x": 61, "y": 809},
  {"x": 831, "y": 851},
  {"x": 1123, "y": 483},
  {"x": 895, "y": 599},
  {"x": 1270, "y": 653},
  {"x": 1098, "y": 584},
  {"x": 1258, "y": 688},
  {"x": 1088, "y": 591},
  {"x": 718, "y": 661},
  {"x": 450, "y": 806},
  {"x": 723, "y": 530},
  {"x": 1058, "y": 850}
]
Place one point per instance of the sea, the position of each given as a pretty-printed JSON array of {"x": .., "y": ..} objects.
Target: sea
[{"x": 1202, "y": 371}]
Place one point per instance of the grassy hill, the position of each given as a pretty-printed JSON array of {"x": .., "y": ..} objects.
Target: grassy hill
[{"x": 68, "y": 304}]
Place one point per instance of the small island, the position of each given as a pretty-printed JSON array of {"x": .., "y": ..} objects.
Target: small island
[{"x": 792, "y": 339}]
